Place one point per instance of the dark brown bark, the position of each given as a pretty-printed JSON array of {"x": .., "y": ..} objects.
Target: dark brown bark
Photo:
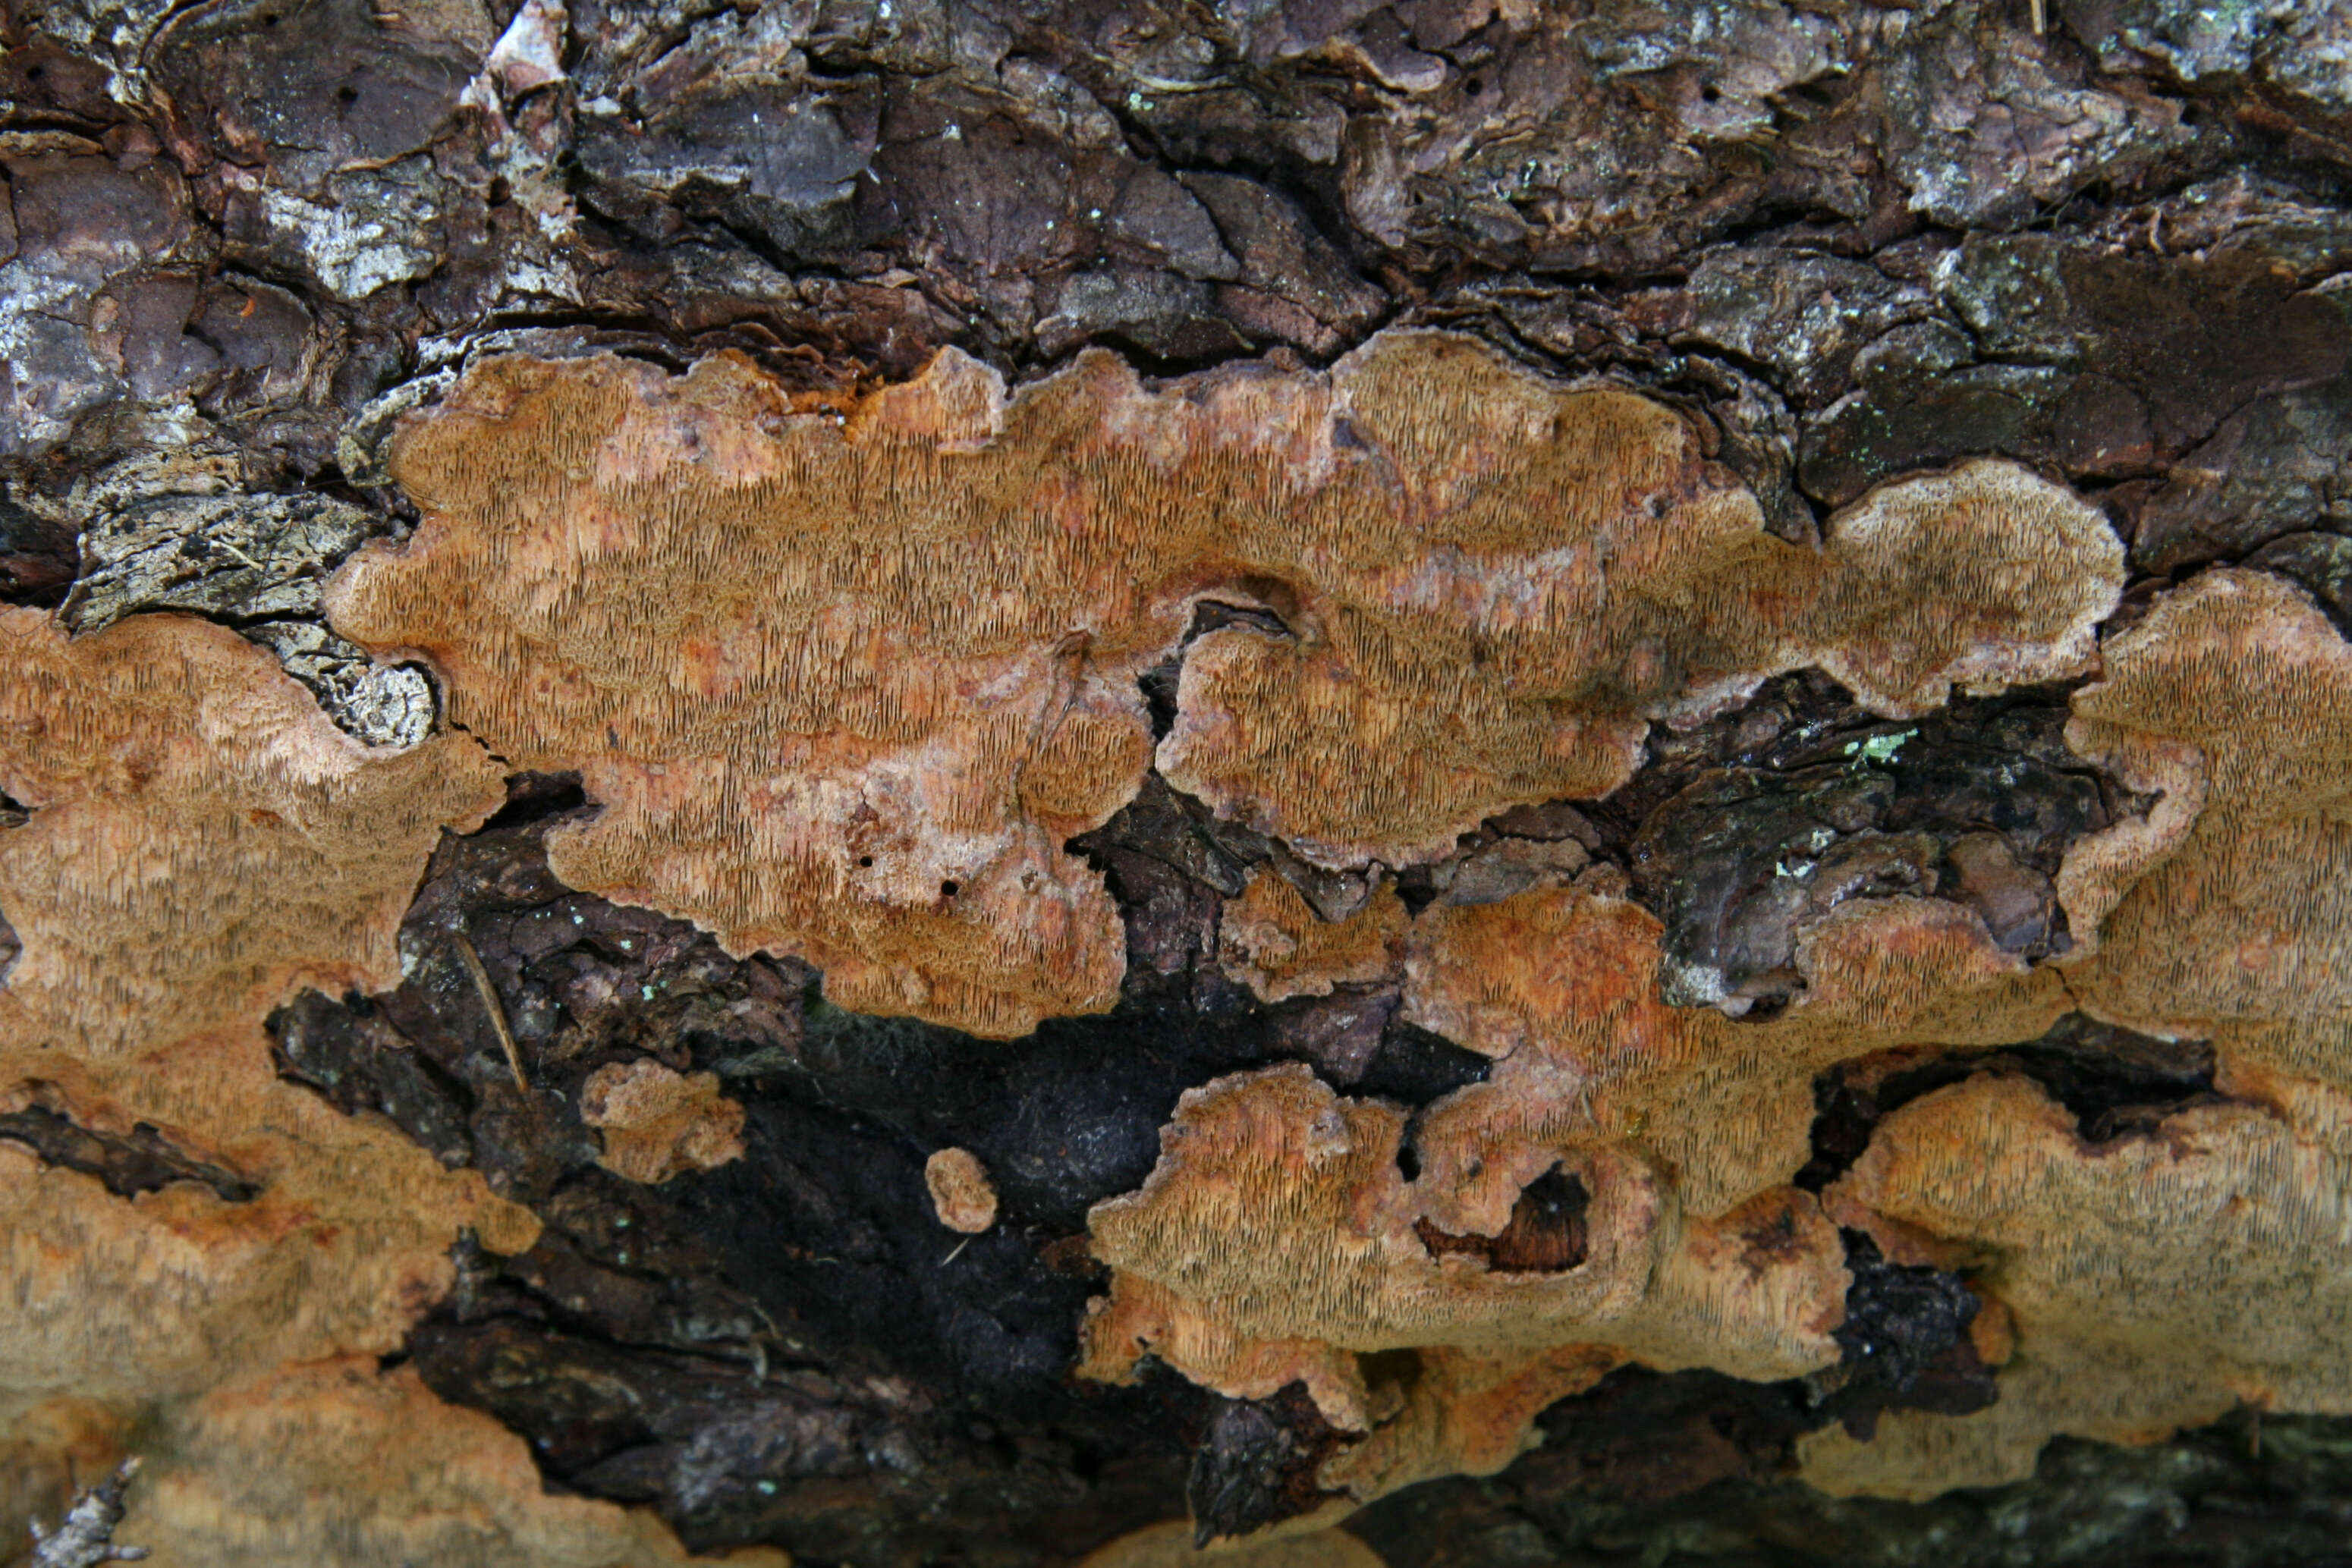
[{"x": 1851, "y": 241}]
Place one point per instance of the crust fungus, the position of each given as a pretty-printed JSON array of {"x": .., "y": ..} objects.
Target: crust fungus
[
  {"x": 1680, "y": 1126},
  {"x": 2236, "y": 693},
  {"x": 2157, "y": 1282},
  {"x": 1335, "y": 1264},
  {"x": 961, "y": 1194},
  {"x": 2154, "y": 1284},
  {"x": 1272, "y": 940},
  {"x": 658, "y": 1124},
  {"x": 843, "y": 685},
  {"x": 336, "y": 1461},
  {"x": 201, "y": 840}
]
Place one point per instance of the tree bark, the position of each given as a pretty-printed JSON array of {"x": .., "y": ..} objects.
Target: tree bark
[{"x": 1846, "y": 243}]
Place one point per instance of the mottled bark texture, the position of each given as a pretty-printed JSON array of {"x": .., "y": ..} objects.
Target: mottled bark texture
[{"x": 1849, "y": 240}]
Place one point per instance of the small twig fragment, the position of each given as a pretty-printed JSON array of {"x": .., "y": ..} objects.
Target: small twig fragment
[
  {"x": 86, "y": 1537},
  {"x": 230, "y": 549},
  {"x": 495, "y": 1009}
]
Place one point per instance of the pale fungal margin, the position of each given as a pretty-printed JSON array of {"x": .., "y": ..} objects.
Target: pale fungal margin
[{"x": 845, "y": 686}]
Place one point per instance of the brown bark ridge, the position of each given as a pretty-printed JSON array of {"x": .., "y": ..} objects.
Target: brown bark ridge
[{"x": 1455, "y": 783}]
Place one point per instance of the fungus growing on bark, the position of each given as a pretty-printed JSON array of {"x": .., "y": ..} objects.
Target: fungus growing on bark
[
  {"x": 1279, "y": 1241},
  {"x": 732, "y": 619},
  {"x": 843, "y": 684},
  {"x": 658, "y": 1124},
  {"x": 1681, "y": 1126},
  {"x": 2153, "y": 1283},
  {"x": 961, "y": 1194},
  {"x": 2235, "y": 692},
  {"x": 1170, "y": 1545},
  {"x": 337, "y": 1461},
  {"x": 1273, "y": 941},
  {"x": 200, "y": 840},
  {"x": 2156, "y": 1282}
]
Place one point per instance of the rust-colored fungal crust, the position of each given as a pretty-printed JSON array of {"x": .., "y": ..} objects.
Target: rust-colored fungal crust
[
  {"x": 1355, "y": 1274},
  {"x": 1169, "y": 1545},
  {"x": 1561, "y": 984},
  {"x": 1680, "y": 1127},
  {"x": 843, "y": 684},
  {"x": 961, "y": 1194},
  {"x": 2130, "y": 1287},
  {"x": 658, "y": 1124},
  {"x": 1271, "y": 939},
  {"x": 2243, "y": 926},
  {"x": 260, "y": 1472},
  {"x": 202, "y": 840},
  {"x": 2159, "y": 1281}
]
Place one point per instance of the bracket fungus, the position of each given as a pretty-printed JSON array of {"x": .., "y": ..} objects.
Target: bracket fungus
[{"x": 843, "y": 684}]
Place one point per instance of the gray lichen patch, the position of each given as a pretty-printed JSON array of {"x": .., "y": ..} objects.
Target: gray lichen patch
[
  {"x": 383, "y": 704},
  {"x": 257, "y": 561},
  {"x": 231, "y": 556}
]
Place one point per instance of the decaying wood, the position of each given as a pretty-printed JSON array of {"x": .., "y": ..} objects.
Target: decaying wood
[{"x": 1575, "y": 773}]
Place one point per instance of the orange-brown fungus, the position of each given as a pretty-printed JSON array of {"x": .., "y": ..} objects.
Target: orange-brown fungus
[
  {"x": 844, "y": 687},
  {"x": 961, "y": 1194},
  {"x": 1169, "y": 1545},
  {"x": 1272, "y": 940},
  {"x": 658, "y": 1124},
  {"x": 2159, "y": 1281},
  {"x": 2131, "y": 1288},
  {"x": 271, "y": 1476},
  {"x": 2154, "y": 1284},
  {"x": 202, "y": 841}
]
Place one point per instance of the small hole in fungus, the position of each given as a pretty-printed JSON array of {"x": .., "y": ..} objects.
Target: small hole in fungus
[
  {"x": 1473, "y": 88},
  {"x": 947, "y": 889},
  {"x": 865, "y": 860},
  {"x": 1709, "y": 95},
  {"x": 347, "y": 94}
]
